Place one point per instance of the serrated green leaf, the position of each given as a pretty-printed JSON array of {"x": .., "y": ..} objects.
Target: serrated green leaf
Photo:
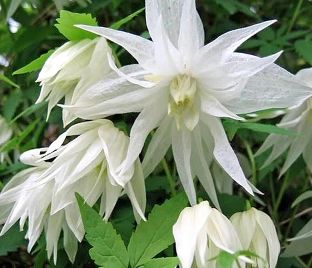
[
  {"x": 68, "y": 20},
  {"x": 35, "y": 64},
  {"x": 11, "y": 240},
  {"x": 171, "y": 262},
  {"x": 125, "y": 20},
  {"x": 155, "y": 235},
  {"x": 108, "y": 249},
  {"x": 304, "y": 48},
  {"x": 8, "y": 81}
]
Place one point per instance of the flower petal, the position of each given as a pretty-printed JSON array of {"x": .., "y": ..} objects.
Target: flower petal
[
  {"x": 181, "y": 147},
  {"x": 224, "y": 153},
  {"x": 273, "y": 87},
  {"x": 140, "y": 48},
  {"x": 158, "y": 146}
]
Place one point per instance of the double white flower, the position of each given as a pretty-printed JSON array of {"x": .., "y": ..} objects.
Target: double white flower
[
  {"x": 70, "y": 70},
  {"x": 183, "y": 88},
  {"x": 45, "y": 194},
  {"x": 202, "y": 232},
  {"x": 299, "y": 120},
  {"x": 5, "y": 134}
]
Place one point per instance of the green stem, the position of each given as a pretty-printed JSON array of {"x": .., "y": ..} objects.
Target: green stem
[
  {"x": 169, "y": 177},
  {"x": 295, "y": 15},
  {"x": 281, "y": 193}
]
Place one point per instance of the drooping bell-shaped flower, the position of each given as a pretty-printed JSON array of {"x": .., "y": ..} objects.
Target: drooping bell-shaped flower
[
  {"x": 257, "y": 234},
  {"x": 182, "y": 87},
  {"x": 298, "y": 119},
  {"x": 5, "y": 134},
  {"x": 201, "y": 233},
  {"x": 71, "y": 69},
  {"x": 45, "y": 194}
]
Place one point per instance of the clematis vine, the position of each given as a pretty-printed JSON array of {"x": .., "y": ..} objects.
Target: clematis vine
[
  {"x": 5, "y": 134},
  {"x": 258, "y": 235},
  {"x": 298, "y": 119},
  {"x": 70, "y": 69},
  {"x": 183, "y": 87}
]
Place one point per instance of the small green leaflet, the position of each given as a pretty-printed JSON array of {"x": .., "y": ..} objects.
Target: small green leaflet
[
  {"x": 68, "y": 20},
  {"x": 108, "y": 249},
  {"x": 8, "y": 81},
  {"x": 155, "y": 235},
  {"x": 123, "y": 21},
  {"x": 171, "y": 262},
  {"x": 35, "y": 64}
]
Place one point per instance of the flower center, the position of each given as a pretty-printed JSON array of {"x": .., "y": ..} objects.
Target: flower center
[{"x": 182, "y": 106}]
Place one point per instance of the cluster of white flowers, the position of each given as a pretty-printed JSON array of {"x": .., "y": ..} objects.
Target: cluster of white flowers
[{"x": 181, "y": 88}]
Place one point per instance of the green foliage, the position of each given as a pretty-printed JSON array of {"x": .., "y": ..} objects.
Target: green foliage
[
  {"x": 149, "y": 239},
  {"x": 8, "y": 81},
  {"x": 108, "y": 248},
  {"x": 11, "y": 240},
  {"x": 68, "y": 20},
  {"x": 304, "y": 48},
  {"x": 125, "y": 20},
  {"x": 35, "y": 64},
  {"x": 155, "y": 235}
]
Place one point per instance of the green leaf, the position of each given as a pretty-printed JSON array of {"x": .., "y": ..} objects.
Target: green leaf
[
  {"x": 68, "y": 20},
  {"x": 33, "y": 108},
  {"x": 108, "y": 249},
  {"x": 304, "y": 48},
  {"x": 8, "y": 81},
  {"x": 125, "y": 20},
  {"x": 35, "y": 64},
  {"x": 271, "y": 129},
  {"x": 171, "y": 262},
  {"x": 302, "y": 197},
  {"x": 155, "y": 235},
  {"x": 11, "y": 240},
  {"x": 225, "y": 259},
  {"x": 11, "y": 104}
]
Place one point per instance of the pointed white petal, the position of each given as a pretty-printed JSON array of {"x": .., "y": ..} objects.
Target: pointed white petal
[
  {"x": 201, "y": 168},
  {"x": 273, "y": 87},
  {"x": 181, "y": 147},
  {"x": 210, "y": 105},
  {"x": 224, "y": 153},
  {"x": 158, "y": 146},
  {"x": 140, "y": 48},
  {"x": 70, "y": 243},
  {"x": 223, "y": 46},
  {"x": 147, "y": 120}
]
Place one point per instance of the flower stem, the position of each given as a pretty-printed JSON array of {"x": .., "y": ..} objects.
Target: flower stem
[
  {"x": 295, "y": 15},
  {"x": 169, "y": 177}
]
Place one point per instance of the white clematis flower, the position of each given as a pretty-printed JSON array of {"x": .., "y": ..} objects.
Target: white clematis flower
[
  {"x": 96, "y": 152},
  {"x": 298, "y": 119},
  {"x": 201, "y": 233},
  {"x": 257, "y": 233},
  {"x": 183, "y": 88},
  {"x": 20, "y": 200},
  {"x": 70, "y": 69},
  {"x": 45, "y": 194},
  {"x": 5, "y": 134}
]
